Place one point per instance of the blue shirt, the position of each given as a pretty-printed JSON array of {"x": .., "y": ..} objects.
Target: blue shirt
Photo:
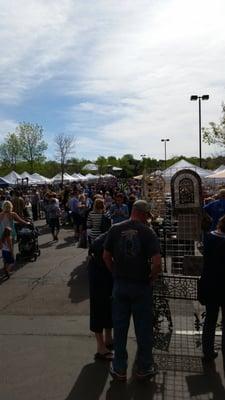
[
  {"x": 73, "y": 204},
  {"x": 119, "y": 213},
  {"x": 215, "y": 209}
]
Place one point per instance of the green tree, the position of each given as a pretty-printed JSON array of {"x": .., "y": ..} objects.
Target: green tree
[
  {"x": 73, "y": 165},
  {"x": 32, "y": 144},
  {"x": 150, "y": 164},
  {"x": 215, "y": 134},
  {"x": 127, "y": 163},
  {"x": 49, "y": 169},
  {"x": 10, "y": 150},
  {"x": 102, "y": 163},
  {"x": 112, "y": 160}
]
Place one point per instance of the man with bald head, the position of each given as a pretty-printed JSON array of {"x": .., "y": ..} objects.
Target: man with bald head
[{"x": 132, "y": 253}]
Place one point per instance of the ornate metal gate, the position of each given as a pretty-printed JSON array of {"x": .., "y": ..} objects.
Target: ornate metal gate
[{"x": 176, "y": 208}]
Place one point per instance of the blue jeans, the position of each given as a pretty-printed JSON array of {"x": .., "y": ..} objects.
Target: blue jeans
[{"x": 132, "y": 299}]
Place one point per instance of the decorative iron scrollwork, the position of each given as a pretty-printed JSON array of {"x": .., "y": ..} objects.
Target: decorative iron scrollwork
[
  {"x": 176, "y": 287},
  {"x": 161, "y": 318},
  {"x": 165, "y": 288}
]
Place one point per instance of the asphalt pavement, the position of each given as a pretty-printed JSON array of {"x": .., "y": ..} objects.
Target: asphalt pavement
[{"x": 47, "y": 351}]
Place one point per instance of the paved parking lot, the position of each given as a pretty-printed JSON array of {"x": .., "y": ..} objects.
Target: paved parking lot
[{"x": 47, "y": 349}]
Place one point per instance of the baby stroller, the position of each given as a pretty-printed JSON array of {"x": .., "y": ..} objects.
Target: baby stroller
[{"x": 28, "y": 243}]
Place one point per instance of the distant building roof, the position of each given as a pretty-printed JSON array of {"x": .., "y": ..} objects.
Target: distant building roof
[{"x": 90, "y": 167}]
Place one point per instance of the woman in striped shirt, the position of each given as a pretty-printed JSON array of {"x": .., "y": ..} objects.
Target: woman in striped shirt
[{"x": 94, "y": 220}]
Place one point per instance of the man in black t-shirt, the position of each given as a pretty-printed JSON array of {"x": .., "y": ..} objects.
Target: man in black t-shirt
[{"x": 129, "y": 248}]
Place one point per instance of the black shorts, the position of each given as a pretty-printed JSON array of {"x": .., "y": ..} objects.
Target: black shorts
[
  {"x": 7, "y": 257},
  {"x": 54, "y": 223},
  {"x": 77, "y": 220}
]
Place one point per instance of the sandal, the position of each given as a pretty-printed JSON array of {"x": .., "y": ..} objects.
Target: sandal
[{"x": 108, "y": 356}]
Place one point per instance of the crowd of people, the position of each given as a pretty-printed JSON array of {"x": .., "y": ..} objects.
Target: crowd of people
[
  {"x": 88, "y": 208},
  {"x": 91, "y": 210},
  {"x": 112, "y": 221},
  {"x": 71, "y": 204}
]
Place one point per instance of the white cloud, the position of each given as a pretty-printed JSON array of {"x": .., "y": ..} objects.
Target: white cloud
[
  {"x": 129, "y": 66},
  {"x": 6, "y": 126},
  {"x": 34, "y": 40}
]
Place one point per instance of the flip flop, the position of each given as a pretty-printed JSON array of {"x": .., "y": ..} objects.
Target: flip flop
[{"x": 108, "y": 356}]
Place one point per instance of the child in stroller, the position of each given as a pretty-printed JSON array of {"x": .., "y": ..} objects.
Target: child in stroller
[{"x": 27, "y": 243}]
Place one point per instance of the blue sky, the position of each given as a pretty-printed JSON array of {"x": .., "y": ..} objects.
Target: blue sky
[{"x": 116, "y": 74}]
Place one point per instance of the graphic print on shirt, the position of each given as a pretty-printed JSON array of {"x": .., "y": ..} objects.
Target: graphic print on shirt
[{"x": 129, "y": 244}]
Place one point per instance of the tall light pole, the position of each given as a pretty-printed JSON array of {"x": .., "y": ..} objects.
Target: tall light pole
[
  {"x": 143, "y": 156},
  {"x": 199, "y": 98},
  {"x": 165, "y": 141}
]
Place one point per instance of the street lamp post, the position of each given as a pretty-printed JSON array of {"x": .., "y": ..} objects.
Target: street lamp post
[
  {"x": 143, "y": 156},
  {"x": 165, "y": 141},
  {"x": 199, "y": 98}
]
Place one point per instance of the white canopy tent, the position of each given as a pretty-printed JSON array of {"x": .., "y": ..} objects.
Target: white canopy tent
[
  {"x": 76, "y": 177},
  {"x": 157, "y": 172},
  {"x": 12, "y": 178},
  {"x": 221, "y": 168},
  {"x": 31, "y": 179},
  {"x": 79, "y": 177},
  {"x": 82, "y": 177},
  {"x": 107, "y": 176},
  {"x": 91, "y": 177},
  {"x": 218, "y": 175},
  {"x": 40, "y": 179},
  {"x": 183, "y": 164},
  {"x": 66, "y": 178},
  {"x": 25, "y": 174},
  {"x": 117, "y": 169},
  {"x": 3, "y": 183}
]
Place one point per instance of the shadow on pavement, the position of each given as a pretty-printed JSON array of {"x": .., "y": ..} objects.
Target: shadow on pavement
[
  {"x": 79, "y": 290},
  {"x": 90, "y": 383},
  {"x": 46, "y": 245},
  {"x": 92, "y": 380},
  {"x": 43, "y": 229},
  {"x": 209, "y": 383},
  {"x": 132, "y": 390},
  {"x": 3, "y": 276},
  {"x": 19, "y": 265},
  {"x": 68, "y": 241}
]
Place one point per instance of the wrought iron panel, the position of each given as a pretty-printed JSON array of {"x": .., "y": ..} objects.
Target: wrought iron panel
[{"x": 176, "y": 287}]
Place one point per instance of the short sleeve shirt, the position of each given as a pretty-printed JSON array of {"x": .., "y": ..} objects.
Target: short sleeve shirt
[
  {"x": 73, "y": 204},
  {"x": 216, "y": 210},
  {"x": 132, "y": 244},
  {"x": 119, "y": 213}
]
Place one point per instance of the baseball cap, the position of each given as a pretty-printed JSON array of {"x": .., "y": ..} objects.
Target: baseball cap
[{"x": 142, "y": 206}]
